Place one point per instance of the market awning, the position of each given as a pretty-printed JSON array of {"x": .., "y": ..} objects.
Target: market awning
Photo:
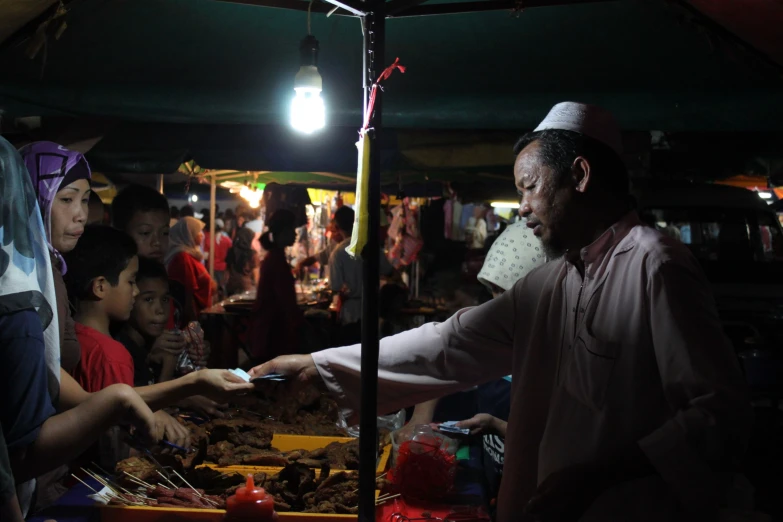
[{"x": 201, "y": 61}]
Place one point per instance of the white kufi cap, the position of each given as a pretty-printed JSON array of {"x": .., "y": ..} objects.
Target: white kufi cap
[{"x": 590, "y": 120}]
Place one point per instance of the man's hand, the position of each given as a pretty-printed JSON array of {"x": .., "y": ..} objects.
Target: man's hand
[
  {"x": 171, "y": 343},
  {"x": 220, "y": 385},
  {"x": 566, "y": 494},
  {"x": 167, "y": 427},
  {"x": 484, "y": 424},
  {"x": 300, "y": 369},
  {"x": 203, "y": 405},
  {"x": 136, "y": 411}
]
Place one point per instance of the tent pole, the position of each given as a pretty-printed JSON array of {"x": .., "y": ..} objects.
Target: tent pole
[
  {"x": 212, "y": 203},
  {"x": 374, "y": 50},
  {"x": 160, "y": 183}
]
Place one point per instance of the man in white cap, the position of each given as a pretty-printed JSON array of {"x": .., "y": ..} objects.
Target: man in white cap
[{"x": 627, "y": 400}]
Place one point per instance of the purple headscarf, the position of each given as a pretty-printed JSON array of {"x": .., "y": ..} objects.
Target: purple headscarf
[{"x": 49, "y": 164}]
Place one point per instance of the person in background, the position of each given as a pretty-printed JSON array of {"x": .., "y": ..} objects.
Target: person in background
[
  {"x": 173, "y": 216},
  {"x": 345, "y": 278},
  {"x": 102, "y": 283},
  {"x": 222, "y": 245},
  {"x": 514, "y": 254},
  {"x": 477, "y": 228},
  {"x": 37, "y": 439},
  {"x": 142, "y": 213},
  {"x": 276, "y": 317},
  {"x": 242, "y": 261},
  {"x": 187, "y": 211},
  {"x": 230, "y": 223},
  {"x": 191, "y": 284},
  {"x": 627, "y": 398},
  {"x": 322, "y": 257},
  {"x": 147, "y": 323},
  {"x": 96, "y": 212}
]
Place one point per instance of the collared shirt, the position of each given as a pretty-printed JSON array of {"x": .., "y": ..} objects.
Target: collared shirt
[
  {"x": 345, "y": 276},
  {"x": 633, "y": 353}
]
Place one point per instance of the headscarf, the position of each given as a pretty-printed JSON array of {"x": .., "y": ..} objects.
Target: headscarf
[
  {"x": 181, "y": 238},
  {"x": 26, "y": 279},
  {"x": 512, "y": 256},
  {"x": 51, "y": 166}
]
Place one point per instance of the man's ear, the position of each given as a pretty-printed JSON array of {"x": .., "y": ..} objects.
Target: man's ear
[
  {"x": 582, "y": 174},
  {"x": 100, "y": 287}
]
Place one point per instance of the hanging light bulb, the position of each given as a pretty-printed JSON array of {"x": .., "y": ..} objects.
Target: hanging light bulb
[{"x": 308, "y": 112}]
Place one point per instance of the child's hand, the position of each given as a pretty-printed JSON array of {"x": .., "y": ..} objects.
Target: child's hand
[
  {"x": 172, "y": 342},
  {"x": 220, "y": 385},
  {"x": 481, "y": 424},
  {"x": 167, "y": 427},
  {"x": 135, "y": 411}
]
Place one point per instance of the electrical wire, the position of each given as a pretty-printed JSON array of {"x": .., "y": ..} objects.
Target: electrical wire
[{"x": 309, "y": 7}]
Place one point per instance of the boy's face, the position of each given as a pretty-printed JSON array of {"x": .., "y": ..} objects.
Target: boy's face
[
  {"x": 151, "y": 311},
  {"x": 119, "y": 299},
  {"x": 150, "y": 230}
]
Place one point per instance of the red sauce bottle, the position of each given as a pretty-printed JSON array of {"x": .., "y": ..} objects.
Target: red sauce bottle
[{"x": 249, "y": 503}]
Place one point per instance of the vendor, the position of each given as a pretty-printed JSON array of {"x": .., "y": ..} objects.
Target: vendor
[
  {"x": 627, "y": 400},
  {"x": 345, "y": 278}
]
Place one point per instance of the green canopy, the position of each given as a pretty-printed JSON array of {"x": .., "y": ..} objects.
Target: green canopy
[{"x": 204, "y": 61}]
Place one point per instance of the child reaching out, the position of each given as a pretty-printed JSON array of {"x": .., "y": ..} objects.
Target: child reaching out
[
  {"x": 147, "y": 323},
  {"x": 102, "y": 284}
]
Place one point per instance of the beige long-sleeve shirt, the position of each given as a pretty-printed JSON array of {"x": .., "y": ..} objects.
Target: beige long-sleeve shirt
[{"x": 633, "y": 353}]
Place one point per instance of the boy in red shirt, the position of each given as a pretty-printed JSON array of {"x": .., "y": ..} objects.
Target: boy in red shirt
[{"x": 102, "y": 283}]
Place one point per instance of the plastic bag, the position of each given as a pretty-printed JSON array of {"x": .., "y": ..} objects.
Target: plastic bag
[
  {"x": 196, "y": 352},
  {"x": 385, "y": 422}
]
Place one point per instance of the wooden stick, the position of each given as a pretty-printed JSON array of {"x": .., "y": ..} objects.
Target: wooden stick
[
  {"x": 138, "y": 481},
  {"x": 383, "y": 500},
  {"x": 166, "y": 478}
]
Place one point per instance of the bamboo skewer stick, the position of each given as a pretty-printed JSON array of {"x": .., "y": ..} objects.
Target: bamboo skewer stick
[
  {"x": 166, "y": 478},
  {"x": 383, "y": 500},
  {"x": 194, "y": 489}
]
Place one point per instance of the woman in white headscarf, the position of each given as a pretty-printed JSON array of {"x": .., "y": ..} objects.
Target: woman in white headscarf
[
  {"x": 37, "y": 439},
  {"x": 514, "y": 254},
  {"x": 190, "y": 281}
]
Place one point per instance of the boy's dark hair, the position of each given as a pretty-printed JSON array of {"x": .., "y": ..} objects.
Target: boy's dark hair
[
  {"x": 133, "y": 199},
  {"x": 151, "y": 269},
  {"x": 174, "y": 213},
  {"x": 101, "y": 252},
  {"x": 344, "y": 218},
  {"x": 186, "y": 211},
  {"x": 559, "y": 148}
]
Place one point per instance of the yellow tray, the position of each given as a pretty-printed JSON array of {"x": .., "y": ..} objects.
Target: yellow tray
[
  {"x": 284, "y": 442},
  {"x": 160, "y": 514}
]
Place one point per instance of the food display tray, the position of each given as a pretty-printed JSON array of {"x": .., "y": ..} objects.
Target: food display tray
[
  {"x": 285, "y": 442},
  {"x": 157, "y": 514}
]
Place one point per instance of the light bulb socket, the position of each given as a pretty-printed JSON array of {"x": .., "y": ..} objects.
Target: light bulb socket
[{"x": 308, "y": 51}]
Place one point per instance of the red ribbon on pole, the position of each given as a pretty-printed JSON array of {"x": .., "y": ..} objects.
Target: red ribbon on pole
[{"x": 384, "y": 75}]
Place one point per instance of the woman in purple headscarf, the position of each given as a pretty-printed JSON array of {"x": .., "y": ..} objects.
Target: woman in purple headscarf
[{"x": 61, "y": 179}]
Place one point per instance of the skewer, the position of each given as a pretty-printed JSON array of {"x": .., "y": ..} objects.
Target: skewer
[
  {"x": 194, "y": 489},
  {"x": 376, "y": 478},
  {"x": 138, "y": 481},
  {"x": 383, "y": 500},
  {"x": 92, "y": 488},
  {"x": 166, "y": 478}
]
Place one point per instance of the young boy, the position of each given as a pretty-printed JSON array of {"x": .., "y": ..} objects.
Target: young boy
[
  {"x": 101, "y": 282},
  {"x": 148, "y": 323}
]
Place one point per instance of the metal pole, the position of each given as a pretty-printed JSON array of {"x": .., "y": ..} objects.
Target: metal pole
[
  {"x": 160, "y": 183},
  {"x": 368, "y": 442},
  {"x": 212, "y": 202}
]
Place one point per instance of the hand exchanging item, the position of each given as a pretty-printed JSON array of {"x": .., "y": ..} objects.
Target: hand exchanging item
[
  {"x": 299, "y": 369},
  {"x": 169, "y": 429},
  {"x": 484, "y": 424},
  {"x": 221, "y": 384}
]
